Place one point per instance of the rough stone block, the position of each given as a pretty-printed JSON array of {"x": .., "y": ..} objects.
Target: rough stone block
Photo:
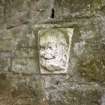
[
  {"x": 20, "y": 90},
  {"x": 17, "y": 37},
  {"x": 61, "y": 92},
  {"x": 23, "y": 36},
  {"x": 5, "y": 62},
  {"x": 25, "y": 66},
  {"x": 4, "y": 65},
  {"x": 25, "y": 52},
  {"x": 7, "y": 45},
  {"x": 55, "y": 49},
  {"x": 92, "y": 66},
  {"x": 41, "y": 10},
  {"x": 1, "y": 14},
  {"x": 75, "y": 8},
  {"x": 16, "y": 12}
]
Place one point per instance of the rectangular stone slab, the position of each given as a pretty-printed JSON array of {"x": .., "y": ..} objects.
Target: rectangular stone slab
[{"x": 54, "y": 49}]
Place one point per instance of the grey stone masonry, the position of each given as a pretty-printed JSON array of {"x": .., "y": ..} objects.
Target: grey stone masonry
[{"x": 52, "y": 52}]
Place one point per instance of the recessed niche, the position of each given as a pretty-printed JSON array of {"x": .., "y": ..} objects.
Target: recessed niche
[{"x": 54, "y": 49}]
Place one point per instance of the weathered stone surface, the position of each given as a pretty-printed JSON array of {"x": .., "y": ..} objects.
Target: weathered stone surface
[
  {"x": 4, "y": 65},
  {"x": 20, "y": 79},
  {"x": 23, "y": 36},
  {"x": 25, "y": 52},
  {"x": 1, "y": 13},
  {"x": 60, "y": 92},
  {"x": 92, "y": 65},
  {"x": 5, "y": 61},
  {"x": 55, "y": 49},
  {"x": 25, "y": 66},
  {"x": 16, "y": 12},
  {"x": 88, "y": 51},
  {"x": 73, "y": 8},
  {"x": 6, "y": 45},
  {"x": 41, "y": 10},
  {"x": 18, "y": 90}
]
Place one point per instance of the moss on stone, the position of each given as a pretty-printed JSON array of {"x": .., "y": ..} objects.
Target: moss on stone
[
  {"x": 78, "y": 95},
  {"x": 5, "y": 84},
  {"x": 92, "y": 64}
]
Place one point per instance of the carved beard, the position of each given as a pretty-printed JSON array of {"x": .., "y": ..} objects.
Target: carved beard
[{"x": 54, "y": 56}]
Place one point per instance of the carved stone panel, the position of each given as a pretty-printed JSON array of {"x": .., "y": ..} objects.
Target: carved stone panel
[{"x": 54, "y": 49}]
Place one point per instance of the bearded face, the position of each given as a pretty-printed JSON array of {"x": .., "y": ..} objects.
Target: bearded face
[{"x": 54, "y": 47}]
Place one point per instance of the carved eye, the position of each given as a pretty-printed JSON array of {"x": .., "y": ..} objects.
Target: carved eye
[{"x": 50, "y": 47}]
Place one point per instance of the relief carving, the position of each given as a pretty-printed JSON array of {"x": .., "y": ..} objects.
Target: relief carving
[{"x": 55, "y": 49}]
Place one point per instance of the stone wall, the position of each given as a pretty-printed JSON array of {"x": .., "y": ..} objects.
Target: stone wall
[{"x": 21, "y": 79}]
